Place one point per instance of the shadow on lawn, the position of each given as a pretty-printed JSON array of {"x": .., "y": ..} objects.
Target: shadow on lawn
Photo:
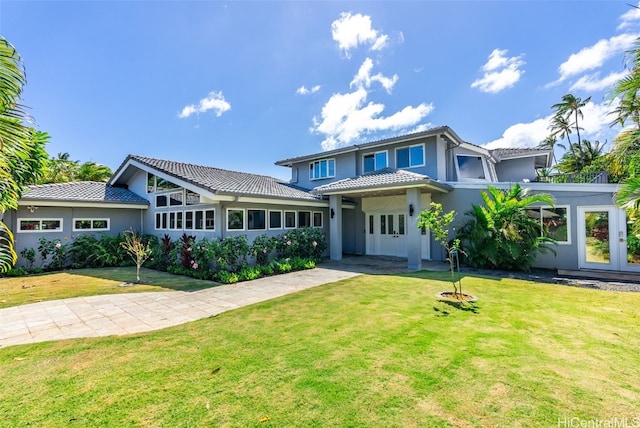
[
  {"x": 149, "y": 278},
  {"x": 460, "y": 306}
]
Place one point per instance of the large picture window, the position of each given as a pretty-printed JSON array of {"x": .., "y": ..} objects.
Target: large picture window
[
  {"x": 40, "y": 225},
  {"x": 325, "y": 168},
  {"x": 90, "y": 224},
  {"x": 470, "y": 168},
  {"x": 554, "y": 222},
  {"x": 409, "y": 157}
]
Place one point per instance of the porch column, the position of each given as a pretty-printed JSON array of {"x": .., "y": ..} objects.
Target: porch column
[
  {"x": 335, "y": 227},
  {"x": 414, "y": 244}
]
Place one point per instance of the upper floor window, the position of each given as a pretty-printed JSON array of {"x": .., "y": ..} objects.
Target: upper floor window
[
  {"x": 151, "y": 183},
  {"x": 375, "y": 161},
  {"x": 470, "y": 167},
  {"x": 325, "y": 168},
  {"x": 409, "y": 157}
]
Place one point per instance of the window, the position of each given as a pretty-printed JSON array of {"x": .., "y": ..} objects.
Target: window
[
  {"x": 161, "y": 201},
  {"x": 40, "y": 225},
  {"x": 470, "y": 167},
  {"x": 370, "y": 225},
  {"x": 304, "y": 218},
  {"x": 289, "y": 219},
  {"x": 275, "y": 219},
  {"x": 256, "y": 219},
  {"x": 317, "y": 219},
  {"x": 375, "y": 161},
  {"x": 162, "y": 184},
  {"x": 159, "y": 220},
  {"x": 80, "y": 224},
  {"x": 409, "y": 157},
  {"x": 209, "y": 219},
  {"x": 175, "y": 198},
  {"x": 151, "y": 183},
  {"x": 192, "y": 198},
  {"x": 325, "y": 168},
  {"x": 554, "y": 222},
  {"x": 172, "y": 220},
  {"x": 235, "y": 219},
  {"x": 199, "y": 220}
]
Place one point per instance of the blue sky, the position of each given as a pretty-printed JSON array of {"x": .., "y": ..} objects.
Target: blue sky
[{"x": 239, "y": 85}]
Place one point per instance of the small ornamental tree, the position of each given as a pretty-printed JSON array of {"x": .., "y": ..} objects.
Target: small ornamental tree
[
  {"x": 438, "y": 222},
  {"x": 137, "y": 248}
]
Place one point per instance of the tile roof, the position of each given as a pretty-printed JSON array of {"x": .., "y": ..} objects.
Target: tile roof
[
  {"x": 82, "y": 191},
  {"x": 500, "y": 154},
  {"x": 386, "y": 177},
  {"x": 225, "y": 181}
]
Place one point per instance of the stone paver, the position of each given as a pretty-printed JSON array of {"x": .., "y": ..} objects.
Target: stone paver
[{"x": 119, "y": 314}]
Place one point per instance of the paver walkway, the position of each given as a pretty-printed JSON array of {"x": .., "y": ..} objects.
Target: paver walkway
[{"x": 118, "y": 314}]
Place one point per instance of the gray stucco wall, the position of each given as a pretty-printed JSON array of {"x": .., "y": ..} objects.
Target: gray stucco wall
[
  {"x": 566, "y": 257},
  {"x": 120, "y": 219},
  {"x": 515, "y": 170}
]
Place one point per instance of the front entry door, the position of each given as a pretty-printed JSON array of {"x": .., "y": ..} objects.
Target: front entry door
[
  {"x": 603, "y": 239},
  {"x": 387, "y": 234}
]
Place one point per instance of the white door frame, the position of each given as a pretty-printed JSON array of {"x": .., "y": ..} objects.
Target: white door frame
[{"x": 617, "y": 240}]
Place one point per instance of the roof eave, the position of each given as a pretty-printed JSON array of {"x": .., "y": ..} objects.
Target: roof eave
[{"x": 430, "y": 184}]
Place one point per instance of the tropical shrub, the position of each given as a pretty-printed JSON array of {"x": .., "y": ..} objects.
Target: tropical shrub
[
  {"x": 185, "y": 248},
  {"x": 232, "y": 253},
  {"x": 53, "y": 253},
  {"x": 29, "y": 254},
  {"x": 262, "y": 248},
  {"x": 500, "y": 234},
  {"x": 307, "y": 242},
  {"x": 247, "y": 273},
  {"x": 227, "y": 277}
]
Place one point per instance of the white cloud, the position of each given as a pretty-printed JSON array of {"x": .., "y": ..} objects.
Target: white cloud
[
  {"x": 500, "y": 72},
  {"x": 593, "y": 82},
  {"x": 353, "y": 30},
  {"x": 345, "y": 118},
  {"x": 214, "y": 101},
  {"x": 630, "y": 17},
  {"x": 303, "y": 90},
  {"x": 594, "y": 56},
  {"x": 364, "y": 77},
  {"x": 595, "y": 126}
]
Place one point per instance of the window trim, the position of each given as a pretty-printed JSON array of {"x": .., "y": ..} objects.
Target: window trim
[
  {"x": 265, "y": 218},
  {"x": 312, "y": 169},
  {"x": 40, "y": 229},
  {"x": 281, "y": 220},
  {"x": 244, "y": 220},
  {"x": 485, "y": 168},
  {"x": 375, "y": 163},
  {"x": 295, "y": 220},
  {"x": 91, "y": 229},
  {"x": 424, "y": 156},
  {"x": 566, "y": 207}
]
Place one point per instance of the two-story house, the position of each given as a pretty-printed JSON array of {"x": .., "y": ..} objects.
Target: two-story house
[{"x": 366, "y": 198}]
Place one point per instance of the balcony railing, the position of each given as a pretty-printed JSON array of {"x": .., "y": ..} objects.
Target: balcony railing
[{"x": 600, "y": 177}]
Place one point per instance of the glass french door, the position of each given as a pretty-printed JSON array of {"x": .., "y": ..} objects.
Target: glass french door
[
  {"x": 387, "y": 234},
  {"x": 606, "y": 240}
]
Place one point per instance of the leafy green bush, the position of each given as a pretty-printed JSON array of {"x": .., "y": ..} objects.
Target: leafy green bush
[
  {"x": 247, "y": 273},
  {"x": 29, "y": 254},
  {"x": 267, "y": 270},
  {"x": 53, "y": 254},
  {"x": 232, "y": 253},
  {"x": 281, "y": 266},
  {"x": 262, "y": 247},
  {"x": 15, "y": 271},
  {"x": 307, "y": 242},
  {"x": 500, "y": 234},
  {"x": 227, "y": 277}
]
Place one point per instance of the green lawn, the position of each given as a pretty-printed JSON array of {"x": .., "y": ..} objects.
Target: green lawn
[
  {"x": 369, "y": 351},
  {"x": 89, "y": 282}
]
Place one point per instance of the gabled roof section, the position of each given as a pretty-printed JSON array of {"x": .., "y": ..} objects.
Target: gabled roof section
[
  {"x": 83, "y": 192},
  {"x": 444, "y": 130},
  {"x": 219, "y": 181},
  {"x": 387, "y": 178},
  {"x": 544, "y": 156}
]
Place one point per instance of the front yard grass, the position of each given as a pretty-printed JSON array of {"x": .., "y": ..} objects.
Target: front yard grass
[
  {"x": 88, "y": 282},
  {"x": 367, "y": 351}
]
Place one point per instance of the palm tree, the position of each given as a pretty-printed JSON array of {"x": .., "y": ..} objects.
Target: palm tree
[
  {"x": 501, "y": 234},
  {"x": 60, "y": 169},
  {"x": 16, "y": 144},
  {"x": 91, "y": 171},
  {"x": 566, "y": 120},
  {"x": 590, "y": 153},
  {"x": 550, "y": 143}
]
